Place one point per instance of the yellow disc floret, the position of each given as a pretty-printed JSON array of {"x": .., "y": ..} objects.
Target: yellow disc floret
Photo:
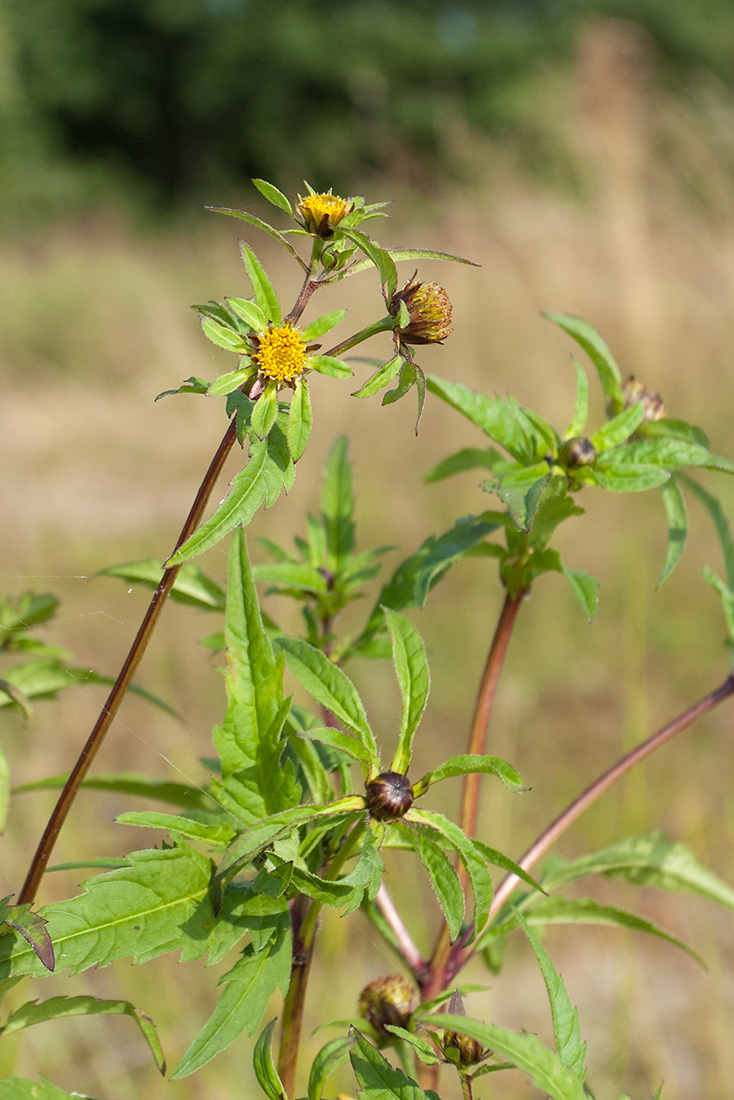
[
  {"x": 281, "y": 354},
  {"x": 321, "y": 213}
]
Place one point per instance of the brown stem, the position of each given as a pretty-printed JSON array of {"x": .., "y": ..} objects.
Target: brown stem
[
  {"x": 440, "y": 967},
  {"x": 549, "y": 836},
  {"x": 122, "y": 683},
  {"x": 403, "y": 938}
]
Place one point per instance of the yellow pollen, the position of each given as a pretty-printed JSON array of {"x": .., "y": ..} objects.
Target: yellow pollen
[
  {"x": 281, "y": 354},
  {"x": 325, "y": 205}
]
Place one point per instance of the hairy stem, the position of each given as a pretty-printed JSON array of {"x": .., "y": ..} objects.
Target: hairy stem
[{"x": 122, "y": 683}]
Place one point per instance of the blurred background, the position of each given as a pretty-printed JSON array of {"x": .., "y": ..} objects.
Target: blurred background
[{"x": 583, "y": 153}]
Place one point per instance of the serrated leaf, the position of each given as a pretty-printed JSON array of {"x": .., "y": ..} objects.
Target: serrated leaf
[
  {"x": 249, "y": 312},
  {"x": 137, "y": 911},
  {"x": 411, "y": 667},
  {"x": 35, "y": 1012},
  {"x": 569, "y": 1045},
  {"x": 323, "y": 325},
  {"x": 337, "y": 505},
  {"x": 265, "y": 412},
  {"x": 585, "y": 588},
  {"x": 225, "y": 383},
  {"x": 444, "y": 880},
  {"x": 630, "y": 479},
  {"x": 265, "y": 296},
  {"x": 670, "y": 453},
  {"x": 270, "y": 192},
  {"x": 260, "y": 224},
  {"x": 720, "y": 521},
  {"x": 221, "y": 336},
  {"x": 332, "y": 688},
  {"x": 218, "y": 834},
  {"x": 600, "y": 355},
  {"x": 248, "y": 987},
  {"x": 380, "y": 257},
  {"x": 300, "y": 420},
  {"x": 468, "y": 763},
  {"x": 162, "y": 790},
  {"x": 619, "y": 428},
  {"x": 332, "y": 1055},
  {"x": 264, "y": 1065},
  {"x": 675, "y": 512},
  {"x": 380, "y": 378},
  {"x": 470, "y": 458},
  {"x": 191, "y": 586},
  {"x": 342, "y": 742},
  {"x": 500, "y": 418},
  {"x": 422, "y": 1047},
  {"x": 581, "y": 411},
  {"x": 328, "y": 364},
  {"x": 543, "y": 1066},
  {"x": 378, "y": 1080}
]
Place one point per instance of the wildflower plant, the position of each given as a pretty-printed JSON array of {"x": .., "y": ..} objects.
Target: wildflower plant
[{"x": 301, "y": 810}]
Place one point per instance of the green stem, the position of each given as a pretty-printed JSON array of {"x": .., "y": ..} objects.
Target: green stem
[
  {"x": 385, "y": 325},
  {"x": 122, "y": 683},
  {"x": 293, "y": 1005}
]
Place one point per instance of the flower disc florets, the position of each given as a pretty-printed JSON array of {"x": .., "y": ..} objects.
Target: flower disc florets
[
  {"x": 429, "y": 307},
  {"x": 280, "y": 354},
  {"x": 322, "y": 213}
]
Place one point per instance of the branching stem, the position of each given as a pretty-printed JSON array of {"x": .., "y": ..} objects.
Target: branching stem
[{"x": 122, "y": 683}]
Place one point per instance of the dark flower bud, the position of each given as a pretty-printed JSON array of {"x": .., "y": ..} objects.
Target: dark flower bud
[
  {"x": 578, "y": 451},
  {"x": 460, "y": 1048},
  {"x": 389, "y": 796},
  {"x": 634, "y": 391},
  {"x": 429, "y": 312},
  {"x": 391, "y": 1000}
]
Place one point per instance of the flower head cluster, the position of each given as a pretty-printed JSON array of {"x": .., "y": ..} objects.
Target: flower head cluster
[
  {"x": 429, "y": 312},
  {"x": 322, "y": 213}
]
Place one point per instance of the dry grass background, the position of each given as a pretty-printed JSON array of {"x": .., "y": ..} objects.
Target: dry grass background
[{"x": 95, "y": 324}]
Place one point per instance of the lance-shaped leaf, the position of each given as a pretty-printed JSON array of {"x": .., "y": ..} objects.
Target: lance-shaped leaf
[
  {"x": 380, "y": 257},
  {"x": 342, "y": 742},
  {"x": 381, "y": 378},
  {"x": 469, "y": 458},
  {"x": 249, "y": 312},
  {"x": 675, "y": 512},
  {"x": 300, "y": 419},
  {"x": 619, "y": 429},
  {"x": 670, "y": 453},
  {"x": 260, "y": 224},
  {"x": 265, "y": 412},
  {"x": 569, "y": 1045},
  {"x": 332, "y": 1055},
  {"x": 399, "y": 255},
  {"x": 218, "y": 834},
  {"x": 323, "y": 325},
  {"x": 337, "y": 506},
  {"x": 265, "y": 296},
  {"x": 267, "y": 471},
  {"x": 161, "y": 790},
  {"x": 600, "y": 355},
  {"x": 409, "y": 658},
  {"x": 32, "y": 927},
  {"x": 585, "y": 588},
  {"x": 264, "y": 1065},
  {"x": 378, "y": 1080},
  {"x": 469, "y": 763},
  {"x": 222, "y": 336},
  {"x": 137, "y": 911},
  {"x": 225, "y": 383},
  {"x": 332, "y": 688},
  {"x": 720, "y": 521},
  {"x": 192, "y": 586},
  {"x": 273, "y": 195},
  {"x": 581, "y": 411},
  {"x": 249, "y": 741},
  {"x": 443, "y": 877},
  {"x": 17, "y": 1088},
  {"x": 330, "y": 365},
  {"x": 57, "y": 1008},
  {"x": 624, "y": 478},
  {"x": 543, "y": 1066},
  {"x": 248, "y": 987}
]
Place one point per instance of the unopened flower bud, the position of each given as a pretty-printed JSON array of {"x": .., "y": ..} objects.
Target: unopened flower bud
[
  {"x": 389, "y": 796},
  {"x": 634, "y": 391},
  {"x": 390, "y": 1000},
  {"x": 429, "y": 310},
  {"x": 460, "y": 1048},
  {"x": 578, "y": 451}
]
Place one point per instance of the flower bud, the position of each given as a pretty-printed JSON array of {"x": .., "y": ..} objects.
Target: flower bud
[
  {"x": 460, "y": 1048},
  {"x": 322, "y": 213},
  {"x": 429, "y": 312},
  {"x": 389, "y": 796},
  {"x": 578, "y": 451},
  {"x": 390, "y": 1000},
  {"x": 634, "y": 391}
]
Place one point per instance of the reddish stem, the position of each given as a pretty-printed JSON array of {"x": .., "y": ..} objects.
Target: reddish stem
[{"x": 122, "y": 683}]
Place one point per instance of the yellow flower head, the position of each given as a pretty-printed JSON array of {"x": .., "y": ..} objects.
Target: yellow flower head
[
  {"x": 322, "y": 213},
  {"x": 280, "y": 354},
  {"x": 429, "y": 307}
]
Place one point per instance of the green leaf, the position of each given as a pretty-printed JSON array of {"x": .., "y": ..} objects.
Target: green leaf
[
  {"x": 265, "y": 412},
  {"x": 221, "y": 336},
  {"x": 300, "y": 419},
  {"x": 264, "y": 294},
  {"x": 259, "y": 483},
  {"x": 409, "y": 658},
  {"x": 619, "y": 428},
  {"x": 264, "y": 1065},
  {"x": 4, "y": 790},
  {"x": 675, "y": 511},
  {"x": 501, "y": 418},
  {"x": 470, "y": 458},
  {"x": 248, "y": 987},
  {"x": 327, "y": 364},
  {"x": 249, "y": 312},
  {"x": 720, "y": 521},
  {"x": 566, "y": 1031},
  {"x": 323, "y": 325},
  {"x": 581, "y": 411},
  {"x": 332, "y": 1055},
  {"x": 377, "y": 1079},
  {"x": 273, "y": 195},
  {"x": 648, "y": 860},
  {"x": 191, "y": 586},
  {"x": 337, "y": 505},
  {"x": 380, "y": 257},
  {"x": 670, "y": 453},
  {"x": 260, "y": 224},
  {"x": 225, "y": 383},
  {"x": 627, "y": 478},
  {"x": 217, "y": 834},
  {"x": 332, "y": 688},
  {"x": 470, "y": 763},
  {"x": 558, "y": 910},
  {"x": 443, "y": 877},
  {"x": 162, "y": 790},
  {"x": 600, "y": 355},
  {"x": 380, "y": 378},
  {"x": 586, "y": 590},
  {"x": 58, "y": 1008},
  {"x": 250, "y": 741},
  {"x": 422, "y": 1047},
  {"x": 37, "y": 679},
  {"x": 543, "y": 1066},
  {"x": 16, "y": 1088},
  {"x": 137, "y": 911},
  {"x": 342, "y": 742}
]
